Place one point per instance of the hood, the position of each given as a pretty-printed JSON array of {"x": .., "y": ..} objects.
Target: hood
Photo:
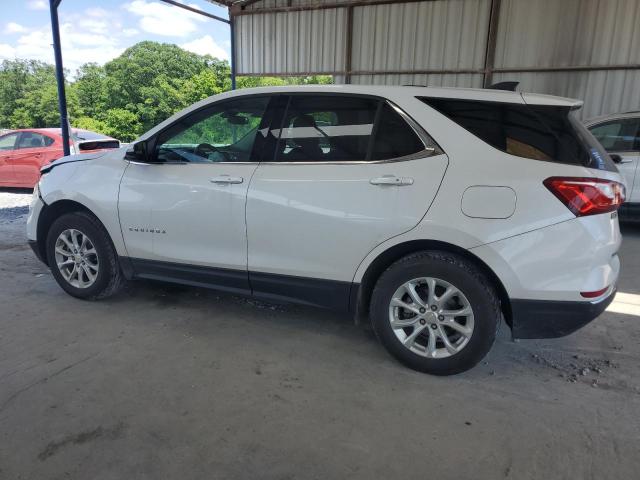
[{"x": 81, "y": 157}]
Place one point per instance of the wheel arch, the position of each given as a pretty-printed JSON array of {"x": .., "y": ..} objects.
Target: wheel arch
[
  {"x": 362, "y": 295},
  {"x": 50, "y": 213}
]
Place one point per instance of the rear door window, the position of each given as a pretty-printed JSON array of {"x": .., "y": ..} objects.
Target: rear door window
[
  {"x": 33, "y": 140},
  {"x": 394, "y": 138},
  {"x": 340, "y": 128},
  {"x": 619, "y": 135},
  {"x": 320, "y": 128},
  {"x": 538, "y": 132}
]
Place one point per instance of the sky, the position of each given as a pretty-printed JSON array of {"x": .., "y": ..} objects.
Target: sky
[{"x": 100, "y": 30}]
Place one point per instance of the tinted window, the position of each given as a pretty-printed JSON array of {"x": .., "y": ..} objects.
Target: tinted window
[
  {"x": 619, "y": 135},
  {"x": 326, "y": 128},
  {"x": 224, "y": 132},
  {"x": 8, "y": 141},
  {"x": 394, "y": 138},
  {"x": 530, "y": 131},
  {"x": 33, "y": 140}
]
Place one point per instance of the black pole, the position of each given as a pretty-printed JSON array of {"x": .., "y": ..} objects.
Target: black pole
[
  {"x": 232, "y": 32},
  {"x": 62, "y": 98}
]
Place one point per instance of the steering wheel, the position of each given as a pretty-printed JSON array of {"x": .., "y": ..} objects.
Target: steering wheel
[{"x": 206, "y": 149}]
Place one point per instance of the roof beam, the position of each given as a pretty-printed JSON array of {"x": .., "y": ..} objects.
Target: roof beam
[
  {"x": 237, "y": 7},
  {"x": 196, "y": 10}
]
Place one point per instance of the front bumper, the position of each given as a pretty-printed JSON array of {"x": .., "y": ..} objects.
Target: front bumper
[
  {"x": 36, "y": 249},
  {"x": 552, "y": 319}
]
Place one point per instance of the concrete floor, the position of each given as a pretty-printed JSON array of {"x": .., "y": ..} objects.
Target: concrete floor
[{"x": 173, "y": 382}]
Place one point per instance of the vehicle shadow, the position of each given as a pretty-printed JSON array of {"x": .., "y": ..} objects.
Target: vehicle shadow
[
  {"x": 16, "y": 190},
  {"x": 631, "y": 229}
]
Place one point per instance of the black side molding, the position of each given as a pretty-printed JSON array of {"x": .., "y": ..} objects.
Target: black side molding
[
  {"x": 552, "y": 319},
  {"x": 316, "y": 292},
  {"x": 234, "y": 281}
]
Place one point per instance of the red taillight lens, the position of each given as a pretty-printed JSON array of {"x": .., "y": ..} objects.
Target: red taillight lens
[
  {"x": 587, "y": 196},
  {"x": 595, "y": 294}
]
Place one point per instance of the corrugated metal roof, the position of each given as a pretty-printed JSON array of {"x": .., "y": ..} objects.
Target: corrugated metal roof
[
  {"x": 400, "y": 38},
  {"x": 545, "y": 33},
  {"x": 291, "y": 42},
  {"x": 426, "y": 35}
]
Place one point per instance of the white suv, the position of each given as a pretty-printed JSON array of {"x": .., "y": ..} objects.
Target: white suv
[
  {"x": 433, "y": 211},
  {"x": 619, "y": 134}
]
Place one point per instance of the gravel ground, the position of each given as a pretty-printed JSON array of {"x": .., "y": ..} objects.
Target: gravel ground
[
  {"x": 14, "y": 205},
  {"x": 166, "y": 381}
]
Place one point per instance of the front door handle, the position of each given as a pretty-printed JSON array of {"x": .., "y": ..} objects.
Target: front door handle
[
  {"x": 391, "y": 180},
  {"x": 225, "y": 179}
]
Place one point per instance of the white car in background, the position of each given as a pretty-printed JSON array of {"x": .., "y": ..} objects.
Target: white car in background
[
  {"x": 619, "y": 134},
  {"x": 436, "y": 212}
]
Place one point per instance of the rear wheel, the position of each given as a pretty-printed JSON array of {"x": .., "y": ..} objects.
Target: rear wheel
[
  {"x": 82, "y": 259},
  {"x": 436, "y": 312}
]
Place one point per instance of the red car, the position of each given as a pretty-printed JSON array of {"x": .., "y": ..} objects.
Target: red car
[{"x": 23, "y": 152}]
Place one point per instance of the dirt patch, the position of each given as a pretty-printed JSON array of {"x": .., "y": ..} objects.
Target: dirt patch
[{"x": 111, "y": 433}]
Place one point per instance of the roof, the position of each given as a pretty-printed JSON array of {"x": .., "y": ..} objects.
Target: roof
[{"x": 483, "y": 94}]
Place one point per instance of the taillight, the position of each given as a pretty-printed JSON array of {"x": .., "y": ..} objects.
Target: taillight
[
  {"x": 587, "y": 196},
  {"x": 595, "y": 294}
]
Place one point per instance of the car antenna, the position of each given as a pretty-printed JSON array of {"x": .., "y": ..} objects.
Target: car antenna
[{"x": 508, "y": 86}]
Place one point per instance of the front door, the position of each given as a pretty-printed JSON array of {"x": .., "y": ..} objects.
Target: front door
[
  {"x": 7, "y": 145},
  {"x": 350, "y": 172},
  {"x": 31, "y": 153},
  {"x": 183, "y": 214}
]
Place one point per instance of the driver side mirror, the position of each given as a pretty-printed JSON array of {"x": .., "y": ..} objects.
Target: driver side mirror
[
  {"x": 616, "y": 158},
  {"x": 138, "y": 152}
]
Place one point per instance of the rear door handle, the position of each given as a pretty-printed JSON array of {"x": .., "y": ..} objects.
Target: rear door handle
[
  {"x": 225, "y": 179},
  {"x": 391, "y": 180}
]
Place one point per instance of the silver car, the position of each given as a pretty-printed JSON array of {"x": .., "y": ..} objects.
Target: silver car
[{"x": 619, "y": 134}]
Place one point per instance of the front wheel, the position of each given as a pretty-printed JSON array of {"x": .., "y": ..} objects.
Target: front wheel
[
  {"x": 436, "y": 312},
  {"x": 81, "y": 257}
]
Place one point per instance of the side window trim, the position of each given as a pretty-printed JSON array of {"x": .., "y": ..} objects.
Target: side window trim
[{"x": 430, "y": 145}]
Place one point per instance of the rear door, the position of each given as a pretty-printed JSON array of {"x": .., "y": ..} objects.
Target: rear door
[
  {"x": 7, "y": 146},
  {"x": 622, "y": 137},
  {"x": 349, "y": 173},
  {"x": 32, "y": 152}
]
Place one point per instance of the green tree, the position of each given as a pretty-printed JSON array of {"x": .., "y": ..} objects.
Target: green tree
[
  {"x": 201, "y": 86},
  {"x": 91, "y": 89},
  {"x": 37, "y": 107},
  {"x": 139, "y": 66},
  {"x": 122, "y": 124},
  {"x": 130, "y": 94}
]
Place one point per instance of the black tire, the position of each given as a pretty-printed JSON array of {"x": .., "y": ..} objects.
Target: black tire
[
  {"x": 109, "y": 278},
  {"x": 468, "y": 279}
]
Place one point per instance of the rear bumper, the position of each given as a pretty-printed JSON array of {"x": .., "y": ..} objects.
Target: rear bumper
[{"x": 552, "y": 319}]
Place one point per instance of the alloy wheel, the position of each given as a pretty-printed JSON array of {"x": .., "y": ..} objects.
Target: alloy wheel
[
  {"x": 431, "y": 317},
  {"x": 76, "y": 258}
]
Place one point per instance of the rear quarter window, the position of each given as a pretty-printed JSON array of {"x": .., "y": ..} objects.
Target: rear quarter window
[{"x": 537, "y": 132}]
